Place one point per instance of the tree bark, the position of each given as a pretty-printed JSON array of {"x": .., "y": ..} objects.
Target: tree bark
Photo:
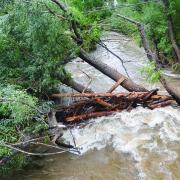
[
  {"x": 152, "y": 57},
  {"x": 129, "y": 95},
  {"x": 110, "y": 72},
  {"x": 170, "y": 30},
  {"x": 104, "y": 68}
]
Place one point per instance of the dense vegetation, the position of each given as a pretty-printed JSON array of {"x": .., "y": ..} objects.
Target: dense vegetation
[
  {"x": 39, "y": 43},
  {"x": 37, "y": 40},
  {"x": 35, "y": 44},
  {"x": 154, "y": 16},
  {"x": 19, "y": 117}
]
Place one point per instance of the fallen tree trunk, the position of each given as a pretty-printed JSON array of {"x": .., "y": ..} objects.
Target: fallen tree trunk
[
  {"x": 73, "y": 84},
  {"x": 76, "y": 86},
  {"x": 152, "y": 58},
  {"x": 123, "y": 94},
  {"x": 141, "y": 96},
  {"x": 104, "y": 68},
  {"x": 111, "y": 72}
]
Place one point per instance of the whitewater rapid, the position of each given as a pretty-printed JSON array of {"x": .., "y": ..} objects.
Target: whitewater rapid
[
  {"x": 141, "y": 144},
  {"x": 140, "y": 133}
]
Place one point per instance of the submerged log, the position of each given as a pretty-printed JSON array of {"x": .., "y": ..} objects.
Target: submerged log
[{"x": 89, "y": 116}]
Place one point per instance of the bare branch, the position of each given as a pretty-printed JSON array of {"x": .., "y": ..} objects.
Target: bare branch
[
  {"x": 122, "y": 61},
  {"x": 31, "y": 153}
]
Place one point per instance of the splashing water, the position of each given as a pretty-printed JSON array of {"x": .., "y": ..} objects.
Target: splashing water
[
  {"x": 141, "y": 144},
  {"x": 148, "y": 136}
]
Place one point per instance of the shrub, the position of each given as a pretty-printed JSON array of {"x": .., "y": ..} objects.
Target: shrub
[{"x": 18, "y": 117}]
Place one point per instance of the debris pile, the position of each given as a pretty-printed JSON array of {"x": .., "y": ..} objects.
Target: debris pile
[{"x": 103, "y": 104}]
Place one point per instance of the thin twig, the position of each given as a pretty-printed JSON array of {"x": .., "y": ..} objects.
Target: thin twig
[
  {"x": 90, "y": 81},
  {"x": 29, "y": 141},
  {"x": 122, "y": 61},
  {"x": 31, "y": 153}
]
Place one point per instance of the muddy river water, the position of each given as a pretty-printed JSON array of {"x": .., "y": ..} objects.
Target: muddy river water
[{"x": 142, "y": 144}]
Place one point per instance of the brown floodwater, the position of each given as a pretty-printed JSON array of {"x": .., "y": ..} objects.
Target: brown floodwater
[{"x": 141, "y": 144}]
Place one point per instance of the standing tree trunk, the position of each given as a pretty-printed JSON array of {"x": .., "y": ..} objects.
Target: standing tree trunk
[
  {"x": 152, "y": 57},
  {"x": 170, "y": 30}
]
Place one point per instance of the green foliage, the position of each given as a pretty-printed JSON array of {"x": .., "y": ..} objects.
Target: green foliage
[
  {"x": 18, "y": 116},
  {"x": 176, "y": 67},
  {"x": 88, "y": 13},
  {"x": 124, "y": 27},
  {"x": 92, "y": 10},
  {"x": 33, "y": 46},
  {"x": 152, "y": 75},
  {"x": 175, "y": 12},
  {"x": 91, "y": 37},
  {"x": 154, "y": 16},
  {"x": 157, "y": 26}
]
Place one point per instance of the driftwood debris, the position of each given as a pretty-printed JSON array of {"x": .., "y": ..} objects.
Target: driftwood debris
[
  {"x": 103, "y": 104},
  {"x": 92, "y": 106}
]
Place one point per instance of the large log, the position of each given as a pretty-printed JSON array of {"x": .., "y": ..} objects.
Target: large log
[
  {"x": 93, "y": 95},
  {"x": 76, "y": 86},
  {"x": 130, "y": 96},
  {"x": 104, "y": 68},
  {"x": 111, "y": 72},
  {"x": 86, "y": 116}
]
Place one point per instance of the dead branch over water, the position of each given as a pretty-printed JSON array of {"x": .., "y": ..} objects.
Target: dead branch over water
[
  {"x": 111, "y": 103},
  {"x": 96, "y": 104}
]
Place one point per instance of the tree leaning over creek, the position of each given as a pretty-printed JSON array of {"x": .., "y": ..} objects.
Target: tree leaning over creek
[{"x": 37, "y": 39}]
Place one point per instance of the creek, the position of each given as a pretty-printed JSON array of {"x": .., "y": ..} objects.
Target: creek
[{"x": 141, "y": 144}]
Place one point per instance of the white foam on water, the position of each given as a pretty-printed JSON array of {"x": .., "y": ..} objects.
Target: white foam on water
[
  {"x": 135, "y": 132},
  {"x": 150, "y": 137}
]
